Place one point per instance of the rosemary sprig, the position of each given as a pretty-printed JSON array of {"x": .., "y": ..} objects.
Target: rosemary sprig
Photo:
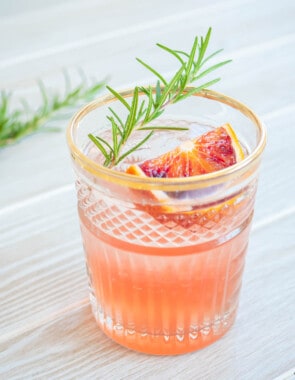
[
  {"x": 141, "y": 113},
  {"x": 18, "y": 123}
]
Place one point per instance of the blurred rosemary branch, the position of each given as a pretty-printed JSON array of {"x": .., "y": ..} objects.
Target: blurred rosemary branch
[{"x": 16, "y": 123}]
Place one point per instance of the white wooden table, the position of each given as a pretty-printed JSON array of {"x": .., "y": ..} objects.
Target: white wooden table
[{"x": 46, "y": 327}]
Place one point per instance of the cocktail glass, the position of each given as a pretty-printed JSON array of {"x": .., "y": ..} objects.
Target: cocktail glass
[{"x": 165, "y": 257}]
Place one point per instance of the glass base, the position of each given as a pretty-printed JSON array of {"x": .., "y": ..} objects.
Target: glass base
[{"x": 195, "y": 338}]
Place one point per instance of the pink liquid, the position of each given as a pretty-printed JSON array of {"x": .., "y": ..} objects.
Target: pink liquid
[{"x": 163, "y": 300}]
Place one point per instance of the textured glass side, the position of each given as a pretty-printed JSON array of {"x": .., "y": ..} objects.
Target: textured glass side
[{"x": 163, "y": 287}]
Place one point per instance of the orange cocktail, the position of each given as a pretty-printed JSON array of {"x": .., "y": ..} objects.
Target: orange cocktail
[{"x": 165, "y": 256}]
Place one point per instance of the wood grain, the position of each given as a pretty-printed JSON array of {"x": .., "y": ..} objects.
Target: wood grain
[
  {"x": 46, "y": 327},
  {"x": 69, "y": 342}
]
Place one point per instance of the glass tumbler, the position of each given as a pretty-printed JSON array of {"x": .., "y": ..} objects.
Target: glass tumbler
[{"x": 165, "y": 256}]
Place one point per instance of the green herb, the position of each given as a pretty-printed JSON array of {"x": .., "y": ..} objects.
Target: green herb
[
  {"x": 16, "y": 124},
  {"x": 141, "y": 113}
]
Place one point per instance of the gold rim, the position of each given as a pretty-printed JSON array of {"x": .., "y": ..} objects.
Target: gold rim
[{"x": 167, "y": 184}]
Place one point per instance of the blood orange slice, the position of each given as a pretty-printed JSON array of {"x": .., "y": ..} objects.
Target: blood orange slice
[{"x": 212, "y": 151}]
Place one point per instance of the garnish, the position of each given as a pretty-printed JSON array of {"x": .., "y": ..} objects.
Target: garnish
[
  {"x": 212, "y": 151},
  {"x": 141, "y": 113},
  {"x": 18, "y": 123}
]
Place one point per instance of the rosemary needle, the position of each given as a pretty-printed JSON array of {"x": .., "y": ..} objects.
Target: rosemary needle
[
  {"x": 140, "y": 112},
  {"x": 18, "y": 123}
]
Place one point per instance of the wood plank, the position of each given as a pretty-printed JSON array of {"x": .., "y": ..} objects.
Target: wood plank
[
  {"x": 32, "y": 242},
  {"x": 86, "y": 24},
  {"x": 21, "y": 158},
  {"x": 115, "y": 36},
  {"x": 276, "y": 184},
  {"x": 21, "y": 161},
  {"x": 69, "y": 342},
  {"x": 15, "y": 7},
  {"x": 251, "y": 67},
  {"x": 46, "y": 326}
]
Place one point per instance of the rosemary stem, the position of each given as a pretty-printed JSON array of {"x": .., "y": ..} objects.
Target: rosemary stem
[{"x": 164, "y": 94}]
